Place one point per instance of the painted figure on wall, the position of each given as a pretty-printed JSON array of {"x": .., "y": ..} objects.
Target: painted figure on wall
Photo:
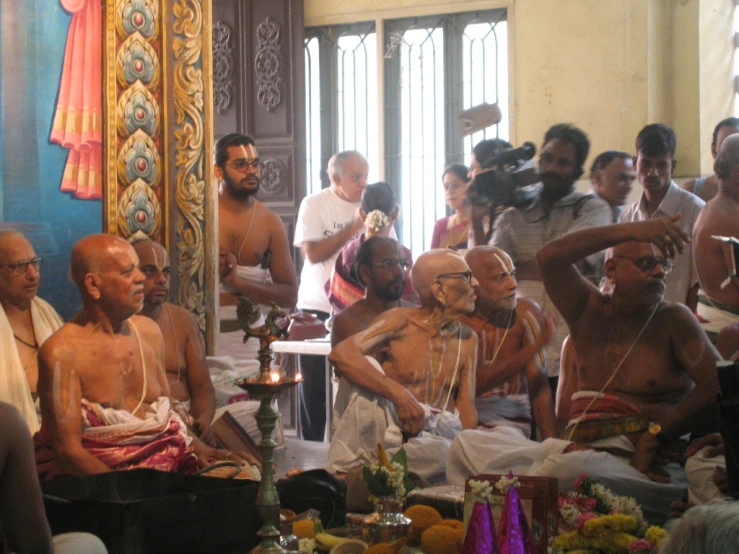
[{"x": 77, "y": 121}]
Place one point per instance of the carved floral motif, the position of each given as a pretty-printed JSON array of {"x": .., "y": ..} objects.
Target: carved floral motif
[
  {"x": 137, "y": 61},
  {"x": 268, "y": 64},
  {"x": 138, "y": 15},
  {"x": 138, "y": 109},
  {"x": 139, "y": 210},
  {"x": 190, "y": 136},
  {"x": 272, "y": 176},
  {"x": 139, "y": 159},
  {"x": 223, "y": 66}
]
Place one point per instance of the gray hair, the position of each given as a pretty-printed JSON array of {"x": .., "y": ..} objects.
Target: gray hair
[
  {"x": 712, "y": 528},
  {"x": 336, "y": 163}
]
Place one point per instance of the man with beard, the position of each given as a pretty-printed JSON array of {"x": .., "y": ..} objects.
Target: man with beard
[
  {"x": 655, "y": 162},
  {"x": 558, "y": 209},
  {"x": 254, "y": 250},
  {"x": 381, "y": 267},
  {"x": 646, "y": 374},
  {"x": 413, "y": 372},
  {"x": 511, "y": 335},
  {"x": 26, "y": 322},
  {"x": 184, "y": 359}
]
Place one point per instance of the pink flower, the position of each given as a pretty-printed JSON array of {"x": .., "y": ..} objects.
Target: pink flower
[
  {"x": 585, "y": 517},
  {"x": 640, "y": 544},
  {"x": 589, "y": 503},
  {"x": 580, "y": 479}
]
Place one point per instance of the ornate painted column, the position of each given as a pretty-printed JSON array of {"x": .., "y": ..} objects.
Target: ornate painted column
[{"x": 158, "y": 141}]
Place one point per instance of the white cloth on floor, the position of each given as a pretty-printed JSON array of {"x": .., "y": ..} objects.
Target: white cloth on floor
[
  {"x": 504, "y": 449},
  {"x": 14, "y": 387},
  {"x": 715, "y": 318},
  {"x": 78, "y": 543},
  {"x": 369, "y": 418},
  {"x": 699, "y": 470},
  {"x": 512, "y": 410},
  {"x": 232, "y": 342}
]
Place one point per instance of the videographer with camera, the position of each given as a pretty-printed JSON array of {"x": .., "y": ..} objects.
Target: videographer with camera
[{"x": 539, "y": 215}]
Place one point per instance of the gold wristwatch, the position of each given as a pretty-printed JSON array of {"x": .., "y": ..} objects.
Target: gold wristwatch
[{"x": 656, "y": 430}]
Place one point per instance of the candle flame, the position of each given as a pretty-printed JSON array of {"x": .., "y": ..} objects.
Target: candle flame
[{"x": 275, "y": 377}]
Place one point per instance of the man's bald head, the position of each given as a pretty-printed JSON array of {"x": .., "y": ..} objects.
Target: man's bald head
[
  {"x": 482, "y": 259},
  {"x": 429, "y": 266},
  {"x": 93, "y": 254},
  {"x": 728, "y": 157},
  {"x": 496, "y": 274},
  {"x": 20, "y": 271}
]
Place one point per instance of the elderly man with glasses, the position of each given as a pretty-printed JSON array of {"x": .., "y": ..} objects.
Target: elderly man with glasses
[
  {"x": 414, "y": 372},
  {"x": 644, "y": 374},
  {"x": 26, "y": 322}
]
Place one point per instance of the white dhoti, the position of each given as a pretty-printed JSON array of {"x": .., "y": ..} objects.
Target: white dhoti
[
  {"x": 513, "y": 410},
  {"x": 699, "y": 471},
  {"x": 364, "y": 418},
  {"x": 503, "y": 450},
  {"x": 712, "y": 317},
  {"x": 232, "y": 336}
]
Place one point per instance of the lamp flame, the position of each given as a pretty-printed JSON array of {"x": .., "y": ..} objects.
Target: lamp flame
[
  {"x": 275, "y": 377},
  {"x": 298, "y": 377}
]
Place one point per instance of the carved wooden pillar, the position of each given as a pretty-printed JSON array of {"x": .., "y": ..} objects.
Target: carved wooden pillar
[{"x": 158, "y": 140}]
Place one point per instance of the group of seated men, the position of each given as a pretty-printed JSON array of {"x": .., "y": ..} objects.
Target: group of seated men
[{"x": 454, "y": 380}]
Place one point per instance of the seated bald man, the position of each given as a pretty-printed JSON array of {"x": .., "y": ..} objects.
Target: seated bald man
[
  {"x": 646, "y": 375},
  {"x": 184, "y": 359},
  {"x": 105, "y": 398},
  {"x": 511, "y": 361},
  {"x": 414, "y": 372},
  {"x": 26, "y": 321}
]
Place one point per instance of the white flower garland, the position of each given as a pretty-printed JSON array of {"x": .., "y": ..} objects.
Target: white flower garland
[
  {"x": 376, "y": 220},
  {"x": 505, "y": 483},
  {"x": 395, "y": 478},
  {"x": 482, "y": 491}
]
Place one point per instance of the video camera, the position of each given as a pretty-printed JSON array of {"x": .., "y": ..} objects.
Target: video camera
[{"x": 503, "y": 178}]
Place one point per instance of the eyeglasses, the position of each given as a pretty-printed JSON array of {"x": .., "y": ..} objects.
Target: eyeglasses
[
  {"x": 392, "y": 264},
  {"x": 466, "y": 275},
  {"x": 647, "y": 263},
  {"x": 19, "y": 268},
  {"x": 242, "y": 165}
]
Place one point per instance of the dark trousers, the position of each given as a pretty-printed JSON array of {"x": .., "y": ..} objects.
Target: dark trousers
[{"x": 313, "y": 392}]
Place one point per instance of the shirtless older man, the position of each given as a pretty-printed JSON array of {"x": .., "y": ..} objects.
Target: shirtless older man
[
  {"x": 184, "y": 359},
  {"x": 254, "y": 250},
  {"x": 511, "y": 363},
  {"x": 646, "y": 373},
  {"x": 425, "y": 372},
  {"x": 714, "y": 259},
  {"x": 103, "y": 389},
  {"x": 26, "y": 322}
]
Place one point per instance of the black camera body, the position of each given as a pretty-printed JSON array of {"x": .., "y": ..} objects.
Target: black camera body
[{"x": 504, "y": 175}]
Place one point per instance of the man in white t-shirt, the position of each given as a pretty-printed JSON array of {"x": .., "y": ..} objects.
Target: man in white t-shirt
[{"x": 327, "y": 220}]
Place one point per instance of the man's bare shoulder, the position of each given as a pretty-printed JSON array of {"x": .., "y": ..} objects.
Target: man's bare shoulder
[
  {"x": 525, "y": 306},
  {"x": 146, "y": 327},
  {"x": 269, "y": 218}
]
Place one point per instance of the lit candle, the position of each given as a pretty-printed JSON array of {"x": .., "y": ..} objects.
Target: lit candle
[
  {"x": 298, "y": 377},
  {"x": 275, "y": 377}
]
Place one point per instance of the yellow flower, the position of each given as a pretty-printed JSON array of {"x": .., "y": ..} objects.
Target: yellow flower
[
  {"x": 655, "y": 535},
  {"x": 614, "y": 522}
]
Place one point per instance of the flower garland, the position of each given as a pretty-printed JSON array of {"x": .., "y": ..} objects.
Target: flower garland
[
  {"x": 604, "y": 522},
  {"x": 482, "y": 491},
  {"x": 376, "y": 220},
  {"x": 387, "y": 479}
]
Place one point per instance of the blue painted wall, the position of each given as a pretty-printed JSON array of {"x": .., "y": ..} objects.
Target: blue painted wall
[{"x": 32, "y": 39}]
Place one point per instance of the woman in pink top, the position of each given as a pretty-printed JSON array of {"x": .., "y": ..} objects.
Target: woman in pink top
[{"x": 452, "y": 231}]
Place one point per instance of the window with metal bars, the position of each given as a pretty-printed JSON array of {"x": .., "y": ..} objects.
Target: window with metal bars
[{"x": 433, "y": 68}]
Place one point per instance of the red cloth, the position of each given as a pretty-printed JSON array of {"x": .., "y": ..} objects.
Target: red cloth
[
  {"x": 606, "y": 407},
  {"x": 161, "y": 446}
]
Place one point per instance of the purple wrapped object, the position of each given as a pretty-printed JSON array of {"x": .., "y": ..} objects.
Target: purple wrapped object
[
  {"x": 480, "y": 537},
  {"x": 514, "y": 536}
]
